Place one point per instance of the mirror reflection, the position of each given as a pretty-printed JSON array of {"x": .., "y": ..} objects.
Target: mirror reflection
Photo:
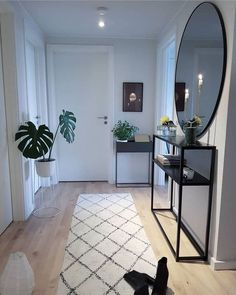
[{"x": 200, "y": 66}]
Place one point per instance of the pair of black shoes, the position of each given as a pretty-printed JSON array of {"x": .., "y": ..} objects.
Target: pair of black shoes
[{"x": 141, "y": 281}]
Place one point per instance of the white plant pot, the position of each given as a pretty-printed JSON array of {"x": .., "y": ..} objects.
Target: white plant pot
[
  {"x": 122, "y": 140},
  {"x": 45, "y": 168}
]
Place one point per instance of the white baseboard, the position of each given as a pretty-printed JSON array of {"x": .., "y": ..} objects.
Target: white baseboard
[{"x": 220, "y": 264}]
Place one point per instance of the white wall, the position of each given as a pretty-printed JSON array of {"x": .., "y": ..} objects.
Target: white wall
[
  {"x": 134, "y": 61},
  {"x": 226, "y": 250},
  {"x": 222, "y": 246}
]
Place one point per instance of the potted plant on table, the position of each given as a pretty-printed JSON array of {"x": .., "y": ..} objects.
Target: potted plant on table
[
  {"x": 37, "y": 142},
  {"x": 167, "y": 127},
  {"x": 190, "y": 127},
  {"x": 124, "y": 131}
]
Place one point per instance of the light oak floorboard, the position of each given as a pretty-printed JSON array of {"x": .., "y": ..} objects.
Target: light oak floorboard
[{"x": 43, "y": 241}]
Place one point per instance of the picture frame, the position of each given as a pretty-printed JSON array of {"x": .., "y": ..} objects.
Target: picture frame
[
  {"x": 180, "y": 96},
  {"x": 132, "y": 97}
]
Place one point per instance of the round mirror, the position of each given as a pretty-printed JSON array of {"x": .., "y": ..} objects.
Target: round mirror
[{"x": 200, "y": 68}]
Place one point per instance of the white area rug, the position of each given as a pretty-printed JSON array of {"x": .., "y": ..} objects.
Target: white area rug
[{"x": 106, "y": 240}]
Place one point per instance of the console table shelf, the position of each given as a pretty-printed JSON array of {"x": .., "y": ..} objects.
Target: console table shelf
[
  {"x": 176, "y": 175},
  {"x": 173, "y": 172},
  {"x": 134, "y": 147}
]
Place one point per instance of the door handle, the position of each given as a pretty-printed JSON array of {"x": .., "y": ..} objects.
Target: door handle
[{"x": 104, "y": 117}]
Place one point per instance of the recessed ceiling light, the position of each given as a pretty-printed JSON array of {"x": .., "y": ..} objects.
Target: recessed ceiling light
[
  {"x": 101, "y": 24},
  {"x": 101, "y": 11}
]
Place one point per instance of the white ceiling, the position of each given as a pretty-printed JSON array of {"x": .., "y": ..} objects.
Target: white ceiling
[{"x": 124, "y": 19}]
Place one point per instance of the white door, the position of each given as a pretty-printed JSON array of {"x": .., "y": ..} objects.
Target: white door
[
  {"x": 5, "y": 191},
  {"x": 81, "y": 85},
  {"x": 31, "y": 74}
]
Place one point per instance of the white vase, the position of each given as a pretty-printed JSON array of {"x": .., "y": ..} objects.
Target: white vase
[
  {"x": 45, "y": 168},
  {"x": 17, "y": 277}
]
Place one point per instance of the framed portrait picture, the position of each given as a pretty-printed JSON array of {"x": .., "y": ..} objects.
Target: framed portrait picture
[
  {"x": 132, "y": 97},
  {"x": 179, "y": 96}
]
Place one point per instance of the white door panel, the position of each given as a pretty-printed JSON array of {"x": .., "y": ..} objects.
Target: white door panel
[
  {"x": 5, "y": 191},
  {"x": 81, "y": 85}
]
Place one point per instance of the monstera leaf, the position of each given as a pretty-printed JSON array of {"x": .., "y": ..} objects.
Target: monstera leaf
[
  {"x": 67, "y": 122},
  {"x": 34, "y": 142}
]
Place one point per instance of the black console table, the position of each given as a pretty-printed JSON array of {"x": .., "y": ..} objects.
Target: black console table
[
  {"x": 176, "y": 174},
  {"x": 134, "y": 147}
]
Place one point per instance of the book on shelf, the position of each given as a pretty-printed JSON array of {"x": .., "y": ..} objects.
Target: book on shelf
[{"x": 169, "y": 160}]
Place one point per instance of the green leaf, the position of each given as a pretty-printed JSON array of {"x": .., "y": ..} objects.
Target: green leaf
[
  {"x": 67, "y": 123},
  {"x": 34, "y": 143}
]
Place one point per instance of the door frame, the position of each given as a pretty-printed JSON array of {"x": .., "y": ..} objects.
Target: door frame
[
  {"x": 55, "y": 48},
  {"x": 34, "y": 176}
]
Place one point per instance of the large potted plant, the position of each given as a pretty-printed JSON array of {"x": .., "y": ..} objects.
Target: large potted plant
[
  {"x": 124, "y": 130},
  {"x": 36, "y": 143}
]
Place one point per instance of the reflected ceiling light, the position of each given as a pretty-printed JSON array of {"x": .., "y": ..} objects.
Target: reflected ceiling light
[
  {"x": 101, "y": 12},
  {"x": 186, "y": 94},
  {"x": 200, "y": 83},
  {"x": 200, "y": 80}
]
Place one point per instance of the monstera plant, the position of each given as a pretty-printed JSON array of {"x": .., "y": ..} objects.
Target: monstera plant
[{"x": 38, "y": 142}]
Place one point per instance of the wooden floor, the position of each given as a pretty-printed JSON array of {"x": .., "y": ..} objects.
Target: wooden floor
[{"x": 43, "y": 241}]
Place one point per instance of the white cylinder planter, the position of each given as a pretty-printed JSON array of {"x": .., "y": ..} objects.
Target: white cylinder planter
[
  {"x": 45, "y": 168},
  {"x": 17, "y": 277},
  {"x": 47, "y": 208}
]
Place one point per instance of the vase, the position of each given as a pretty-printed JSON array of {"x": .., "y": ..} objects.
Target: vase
[
  {"x": 169, "y": 131},
  {"x": 45, "y": 168},
  {"x": 190, "y": 135}
]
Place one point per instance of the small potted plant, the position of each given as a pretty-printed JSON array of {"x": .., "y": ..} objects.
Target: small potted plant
[
  {"x": 124, "y": 131},
  {"x": 190, "y": 128},
  {"x": 167, "y": 127},
  {"x": 37, "y": 142}
]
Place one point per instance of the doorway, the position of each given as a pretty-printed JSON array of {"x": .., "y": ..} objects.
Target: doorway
[{"x": 80, "y": 80}]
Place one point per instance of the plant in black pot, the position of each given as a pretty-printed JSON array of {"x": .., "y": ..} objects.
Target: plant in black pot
[
  {"x": 124, "y": 130},
  {"x": 190, "y": 128},
  {"x": 36, "y": 142}
]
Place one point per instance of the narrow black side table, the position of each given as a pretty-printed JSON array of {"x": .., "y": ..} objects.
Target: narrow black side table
[
  {"x": 176, "y": 175},
  {"x": 135, "y": 147}
]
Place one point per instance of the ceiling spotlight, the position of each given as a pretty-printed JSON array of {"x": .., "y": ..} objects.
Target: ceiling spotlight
[
  {"x": 101, "y": 24},
  {"x": 101, "y": 11}
]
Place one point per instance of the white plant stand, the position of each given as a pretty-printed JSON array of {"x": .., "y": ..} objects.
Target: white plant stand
[{"x": 46, "y": 206}]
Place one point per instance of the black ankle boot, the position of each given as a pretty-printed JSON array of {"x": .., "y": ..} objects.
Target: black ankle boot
[
  {"x": 138, "y": 281},
  {"x": 142, "y": 290},
  {"x": 160, "y": 284}
]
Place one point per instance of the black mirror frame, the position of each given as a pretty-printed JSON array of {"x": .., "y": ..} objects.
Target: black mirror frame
[{"x": 223, "y": 69}]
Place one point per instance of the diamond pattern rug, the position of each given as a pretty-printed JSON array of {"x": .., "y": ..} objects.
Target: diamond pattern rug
[{"x": 106, "y": 240}]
